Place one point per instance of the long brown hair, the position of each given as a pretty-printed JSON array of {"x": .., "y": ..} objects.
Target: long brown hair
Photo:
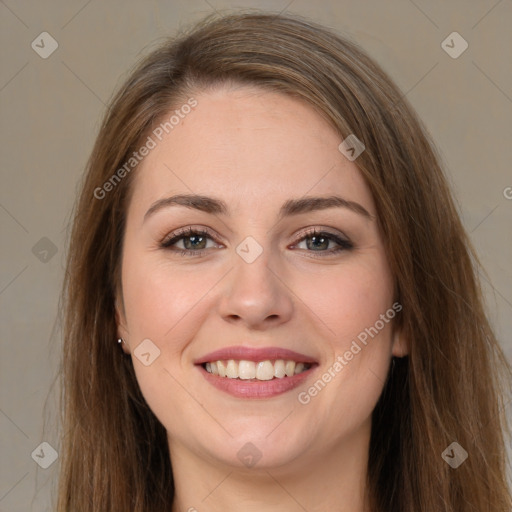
[{"x": 451, "y": 386}]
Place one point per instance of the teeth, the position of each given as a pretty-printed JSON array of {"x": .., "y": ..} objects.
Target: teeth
[
  {"x": 261, "y": 370},
  {"x": 265, "y": 370},
  {"x": 299, "y": 367},
  {"x": 279, "y": 369},
  {"x": 246, "y": 370},
  {"x": 221, "y": 368},
  {"x": 232, "y": 369},
  {"x": 290, "y": 368}
]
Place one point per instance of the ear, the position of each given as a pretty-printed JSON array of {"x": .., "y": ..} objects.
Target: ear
[
  {"x": 122, "y": 328},
  {"x": 400, "y": 347}
]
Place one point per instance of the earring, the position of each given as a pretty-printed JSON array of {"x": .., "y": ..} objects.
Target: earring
[{"x": 120, "y": 340}]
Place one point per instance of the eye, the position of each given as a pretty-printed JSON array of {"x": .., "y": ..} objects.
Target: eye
[
  {"x": 194, "y": 241},
  {"x": 322, "y": 242}
]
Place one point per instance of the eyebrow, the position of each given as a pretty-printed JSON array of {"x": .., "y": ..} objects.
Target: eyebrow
[{"x": 289, "y": 208}]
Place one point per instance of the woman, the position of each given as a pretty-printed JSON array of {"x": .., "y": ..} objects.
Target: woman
[{"x": 271, "y": 300}]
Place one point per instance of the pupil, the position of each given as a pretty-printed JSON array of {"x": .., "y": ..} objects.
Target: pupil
[
  {"x": 321, "y": 240},
  {"x": 192, "y": 242}
]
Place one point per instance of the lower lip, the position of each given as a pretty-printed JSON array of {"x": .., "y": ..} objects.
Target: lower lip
[{"x": 256, "y": 388}]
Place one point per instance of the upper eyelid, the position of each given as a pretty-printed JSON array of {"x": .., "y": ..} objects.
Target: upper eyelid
[
  {"x": 188, "y": 231},
  {"x": 309, "y": 231}
]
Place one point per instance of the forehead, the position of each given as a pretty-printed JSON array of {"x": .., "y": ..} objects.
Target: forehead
[{"x": 248, "y": 145}]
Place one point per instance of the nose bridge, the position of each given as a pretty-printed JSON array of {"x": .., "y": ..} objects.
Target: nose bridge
[{"x": 255, "y": 294}]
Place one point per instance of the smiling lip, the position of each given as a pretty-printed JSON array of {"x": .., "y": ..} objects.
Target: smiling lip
[
  {"x": 254, "y": 354},
  {"x": 254, "y": 388}
]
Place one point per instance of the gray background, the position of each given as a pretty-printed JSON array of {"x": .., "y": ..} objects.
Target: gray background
[{"x": 51, "y": 110}]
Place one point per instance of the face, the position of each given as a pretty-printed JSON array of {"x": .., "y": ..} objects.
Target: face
[{"x": 259, "y": 270}]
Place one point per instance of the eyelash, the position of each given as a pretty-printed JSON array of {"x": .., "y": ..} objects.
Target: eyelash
[{"x": 169, "y": 241}]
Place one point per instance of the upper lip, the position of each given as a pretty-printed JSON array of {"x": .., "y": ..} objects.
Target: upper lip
[{"x": 254, "y": 354}]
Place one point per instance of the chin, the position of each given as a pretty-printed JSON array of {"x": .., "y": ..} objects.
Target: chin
[{"x": 261, "y": 448}]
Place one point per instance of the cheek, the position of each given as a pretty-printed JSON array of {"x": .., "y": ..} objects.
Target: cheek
[
  {"x": 348, "y": 299},
  {"x": 350, "y": 306},
  {"x": 165, "y": 306},
  {"x": 160, "y": 301}
]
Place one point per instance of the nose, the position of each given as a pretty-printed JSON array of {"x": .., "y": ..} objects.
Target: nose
[{"x": 255, "y": 295}]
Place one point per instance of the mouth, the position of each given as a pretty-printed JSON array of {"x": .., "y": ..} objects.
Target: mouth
[
  {"x": 256, "y": 370},
  {"x": 255, "y": 373}
]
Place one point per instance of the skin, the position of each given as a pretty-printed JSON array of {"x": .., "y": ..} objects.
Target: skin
[{"x": 255, "y": 150}]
